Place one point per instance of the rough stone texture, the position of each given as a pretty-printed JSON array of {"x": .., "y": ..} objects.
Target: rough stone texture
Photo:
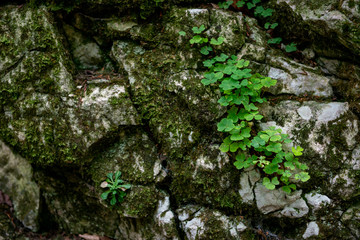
[
  {"x": 315, "y": 126},
  {"x": 268, "y": 201},
  {"x": 86, "y": 53},
  {"x": 351, "y": 219},
  {"x": 135, "y": 155},
  {"x": 330, "y": 19},
  {"x": 247, "y": 183},
  {"x": 317, "y": 201},
  {"x": 155, "y": 122},
  {"x": 16, "y": 180},
  {"x": 44, "y": 117},
  {"x": 295, "y": 78},
  {"x": 202, "y": 223},
  {"x": 312, "y": 230},
  {"x": 206, "y": 176}
]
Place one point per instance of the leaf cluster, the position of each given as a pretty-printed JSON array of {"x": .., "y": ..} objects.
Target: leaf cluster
[
  {"x": 116, "y": 188},
  {"x": 241, "y": 90}
]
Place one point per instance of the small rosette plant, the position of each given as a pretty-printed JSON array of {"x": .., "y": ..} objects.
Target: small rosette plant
[{"x": 117, "y": 189}]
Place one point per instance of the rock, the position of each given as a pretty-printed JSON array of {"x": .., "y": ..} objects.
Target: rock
[
  {"x": 312, "y": 229},
  {"x": 268, "y": 201},
  {"x": 229, "y": 25},
  {"x": 296, "y": 209},
  {"x": 134, "y": 154},
  {"x": 355, "y": 160},
  {"x": 315, "y": 126},
  {"x": 247, "y": 183},
  {"x": 86, "y": 53},
  {"x": 295, "y": 78},
  {"x": 46, "y": 119},
  {"x": 328, "y": 19},
  {"x": 162, "y": 100},
  {"x": 202, "y": 223},
  {"x": 16, "y": 180},
  {"x": 317, "y": 201},
  {"x": 165, "y": 219},
  {"x": 351, "y": 219},
  {"x": 341, "y": 69},
  {"x": 206, "y": 176}
]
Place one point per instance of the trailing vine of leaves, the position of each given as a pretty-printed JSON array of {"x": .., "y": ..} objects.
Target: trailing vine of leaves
[
  {"x": 241, "y": 90},
  {"x": 261, "y": 12}
]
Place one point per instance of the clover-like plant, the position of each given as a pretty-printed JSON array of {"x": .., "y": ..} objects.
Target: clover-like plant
[
  {"x": 116, "y": 188},
  {"x": 261, "y": 12},
  {"x": 241, "y": 90}
]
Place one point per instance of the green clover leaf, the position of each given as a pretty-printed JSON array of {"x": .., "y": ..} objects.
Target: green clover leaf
[
  {"x": 290, "y": 48},
  {"x": 225, "y": 125},
  {"x": 219, "y": 41}
]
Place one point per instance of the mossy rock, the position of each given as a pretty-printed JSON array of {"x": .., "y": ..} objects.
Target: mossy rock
[
  {"x": 206, "y": 176},
  {"x": 134, "y": 154}
]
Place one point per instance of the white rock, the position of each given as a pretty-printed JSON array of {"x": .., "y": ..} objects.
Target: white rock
[
  {"x": 164, "y": 217},
  {"x": 241, "y": 227},
  {"x": 297, "y": 209},
  {"x": 268, "y": 201},
  {"x": 193, "y": 228},
  {"x": 312, "y": 229},
  {"x": 317, "y": 200},
  {"x": 305, "y": 112},
  {"x": 332, "y": 111}
]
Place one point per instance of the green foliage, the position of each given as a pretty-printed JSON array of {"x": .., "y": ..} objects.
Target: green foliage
[
  {"x": 270, "y": 25},
  {"x": 225, "y": 5},
  {"x": 116, "y": 188},
  {"x": 275, "y": 40},
  {"x": 241, "y": 90},
  {"x": 260, "y": 11},
  {"x": 290, "y": 48}
]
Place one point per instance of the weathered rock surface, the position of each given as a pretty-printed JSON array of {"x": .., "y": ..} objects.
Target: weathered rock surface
[
  {"x": 16, "y": 180},
  {"x": 202, "y": 223},
  {"x": 155, "y": 122},
  {"x": 330, "y": 19},
  {"x": 316, "y": 126}
]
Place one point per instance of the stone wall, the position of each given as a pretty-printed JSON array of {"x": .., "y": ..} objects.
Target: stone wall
[{"x": 97, "y": 86}]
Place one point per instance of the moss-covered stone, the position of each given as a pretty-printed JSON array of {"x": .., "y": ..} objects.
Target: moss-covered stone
[
  {"x": 206, "y": 176},
  {"x": 203, "y": 223},
  {"x": 134, "y": 154},
  {"x": 43, "y": 116}
]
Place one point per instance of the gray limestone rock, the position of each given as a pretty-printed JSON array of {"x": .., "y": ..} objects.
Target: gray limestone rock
[
  {"x": 315, "y": 126},
  {"x": 317, "y": 201},
  {"x": 295, "y": 78},
  {"x": 247, "y": 183},
  {"x": 268, "y": 201},
  {"x": 16, "y": 180},
  {"x": 312, "y": 230},
  {"x": 202, "y": 223}
]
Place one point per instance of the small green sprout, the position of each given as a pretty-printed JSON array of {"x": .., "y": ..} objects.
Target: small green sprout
[{"x": 117, "y": 189}]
